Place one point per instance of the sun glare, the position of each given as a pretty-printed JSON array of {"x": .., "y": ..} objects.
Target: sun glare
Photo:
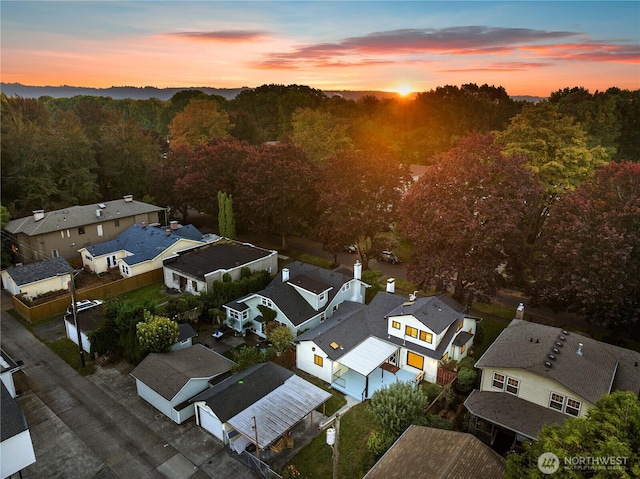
[{"x": 404, "y": 90}]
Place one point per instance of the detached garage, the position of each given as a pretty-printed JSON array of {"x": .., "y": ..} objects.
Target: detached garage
[
  {"x": 258, "y": 405},
  {"x": 167, "y": 381}
]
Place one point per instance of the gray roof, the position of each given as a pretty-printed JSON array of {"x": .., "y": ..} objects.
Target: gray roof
[
  {"x": 186, "y": 331},
  {"x": 525, "y": 345},
  {"x": 144, "y": 242},
  {"x": 221, "y": 255},
  {"x": 512, "y": 412},
  {"x": 75, "y": 216},
  {"x": 7, "y": 363},
  {"x": 34, "y": 272},
  {"x": 12, "y": 419},
  {"x": 89, "y": 319},
  {"x": 431, "y": 311},
  {"x": 462, "y": 338},
  {"x": 235, "y": 394},
  {"x": 168, "y": 373},
  {"x": 428, "y": 453}
]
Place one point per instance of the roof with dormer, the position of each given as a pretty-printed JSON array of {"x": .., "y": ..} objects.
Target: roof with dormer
[
  {"x": 431, "y": 311},
  {"x": 144, "y": 242},
  {"x": 79, "y": 215}
]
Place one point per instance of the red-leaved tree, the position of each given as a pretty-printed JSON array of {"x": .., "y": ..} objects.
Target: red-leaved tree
[
  {"x": 461, "y": 214},
  {"x": 588, "y": 260}
]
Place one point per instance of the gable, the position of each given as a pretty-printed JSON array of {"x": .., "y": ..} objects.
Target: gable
[{"x": 40, "y": 271}]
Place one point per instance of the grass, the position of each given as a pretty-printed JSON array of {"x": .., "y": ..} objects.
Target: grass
[
  {"x": 70, "y": 353},
  {"x": 492, "y": 328},
  {"x": 495, "y": 310},
  {"x": 314, "y": 260},
  {"x": 153, "y": 292},
  {"x": 316, "y": 460}
]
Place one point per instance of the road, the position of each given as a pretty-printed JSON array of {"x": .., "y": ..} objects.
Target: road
[{"x": 97, "y": 426}]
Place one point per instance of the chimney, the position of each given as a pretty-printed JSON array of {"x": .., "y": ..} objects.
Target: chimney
[
  {"x": 143, "y": 224},
  {"x": 391, "y": 285},
  {"x": 38, "y": 215},
  {"x": 579, "y": 351},
  {"x": 285, "y": 274},
  {"x": 98, "y": 213},
  {"x": 413, "y": 296},
  {"x": 128, "y": 198},
  {"x": 357, "y": 270},
  {"x": 520, "y": 311},
  {"x": 173, "y": 224},
  {"x": 167, "y": 232}
]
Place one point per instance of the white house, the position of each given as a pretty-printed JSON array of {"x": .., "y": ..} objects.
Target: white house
[
  {"x": 167, "y": 381},
  {"x": 88, "y": 320},
  {"x": 194, "y": 270},
  {"x": 302, "y": 297},
  {"x": 258, "y": 405},
  {"x": 364, "y": 348},
  {"x": 35, "y": 279},
  {"x": 140, "y": 248},
  {"x": 535, "y": 374}
]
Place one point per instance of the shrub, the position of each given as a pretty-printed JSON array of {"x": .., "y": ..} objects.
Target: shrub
[
  {"x": 398, "y": 406},
  {"x": 378, "y": 443},
  {"x": 247, "y": 356},
  {"x": 479, "y": 336},
  {"x": 466, "y": 380}
]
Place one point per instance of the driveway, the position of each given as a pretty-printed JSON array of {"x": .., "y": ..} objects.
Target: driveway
[{"x": 97, "y": 426}]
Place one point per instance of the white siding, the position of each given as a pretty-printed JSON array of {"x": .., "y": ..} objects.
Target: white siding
[
  {"x": 153, "y": 398},
  {"x": 533, "y": 388},
  {"x": 208, "y": 421},
  {"x": 409, "y": 320},
  {"x": 72, "y": 334},
  {"x": 16, "y": 453},
  {"x": 305, "y": 361},
  {"x": 193, "y": 387}
]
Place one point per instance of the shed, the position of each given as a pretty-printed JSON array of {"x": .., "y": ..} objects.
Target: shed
[{"x": 35, "y": 279}]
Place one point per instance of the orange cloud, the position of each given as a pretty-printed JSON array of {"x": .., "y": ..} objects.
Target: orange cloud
[
  {"x": 500, "y": 67},
  {"x": 227, "y": 36},
  {"x": 588, "y": 52}
]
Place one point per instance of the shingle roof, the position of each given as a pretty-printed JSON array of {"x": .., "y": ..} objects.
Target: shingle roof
[
  {"x": 186, "y": 331},
  {"x": 34, "y": 272},
  {"x": 235, "y": 394},
  {"x": 12, "y": 419},
  {"x": 462, "y": 338},
  {"x": 428, "y": 453},
  {"x": 430, "y": 311},
  {"x": 168, "y": 373},
  {"x": 144, "y": 242},
  {"x": 221, "y": 255},
  {"x": 512, "y": 412},
  {"x": 75, "y": 216},
  {"x": 526, "y": 345}
]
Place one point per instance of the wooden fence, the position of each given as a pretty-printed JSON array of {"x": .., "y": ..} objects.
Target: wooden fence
[{"x": 58, "y": 305}]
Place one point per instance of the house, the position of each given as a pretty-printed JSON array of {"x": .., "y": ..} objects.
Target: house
[
  {"x": 258, "y": 405},
  {"x": 167, "y": 381},
  {"x": 194, "y": 270},
  {"x": 429, "y": 453},
  {"x": 140, "y": 248},
  {"x": 60, "y": 233},
  {"x": 362, "y": 349},
  {"x": 186, "y": 333},
  {"x": 88, "y": 320},
  {"x": 7, "y": 368},
  {"x": 302, "y": 297},
  {"x": 535, "y": 374},
  {"x": 16, "y": 447},
  {"x": 35, "y": 279}
]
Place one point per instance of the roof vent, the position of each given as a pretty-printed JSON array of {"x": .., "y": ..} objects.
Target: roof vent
[
  {"x": 559, "y": 344},
  {"x": 566, "y": 333},
  {"x": 128, "y": 198},
  {"x": 556, "y": 350},
  {"x": 562, "y": 338},
  {"x": 579, "y": 351},
  {"x": 102, "y": 205},
  {"x": 548, "y": 364},
  {"x": 552, "y": 357}
]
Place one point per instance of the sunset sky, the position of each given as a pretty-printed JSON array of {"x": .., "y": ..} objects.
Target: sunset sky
[{"x": 530, "y": 48}]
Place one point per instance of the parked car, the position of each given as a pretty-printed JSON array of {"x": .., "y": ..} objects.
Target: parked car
[
  {"x": 390, "y": 257},
  {"x": 351, "y": 249},
  {"x": 84, "y": 304}
]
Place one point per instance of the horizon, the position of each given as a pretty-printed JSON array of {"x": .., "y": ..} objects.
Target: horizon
[{"x": 529, "y": 48}]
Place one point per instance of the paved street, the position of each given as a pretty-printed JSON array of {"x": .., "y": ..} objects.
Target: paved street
[{"x": 97, "y": 426}]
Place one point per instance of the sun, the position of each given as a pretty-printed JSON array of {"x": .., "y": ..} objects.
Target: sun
[{"x": 404, "y": 90}]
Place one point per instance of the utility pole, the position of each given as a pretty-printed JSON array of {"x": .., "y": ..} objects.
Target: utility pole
[
  {"x": 72, "y": 289},
  {"x": 255, "y": 429}
]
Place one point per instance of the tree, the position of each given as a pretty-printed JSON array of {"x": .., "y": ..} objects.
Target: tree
[
  {"x": 588, "y": 259},
  {"x": 170, "y": 172},
  {"x": 226, "y": 221},
  {"x": 246, "y": 357},
  {"x": 319, "y": 134},
  {"x": 277, "y": 194},
  {"x": 558, "y": 153},
  {"x": 611, "y": 429},
  {"x": 462, "y": 213},
  {"x": 359, "y": 192},
  {"x": 397, "y": 406},
  {"x": 156, "y": 334},
  {"x": 198, "y": 123},
  {"x": 281, "y": 337}
]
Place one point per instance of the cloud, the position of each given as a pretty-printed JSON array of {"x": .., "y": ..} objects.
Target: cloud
[
  {"x": 231, "y": 36},
  {"x": 588, "y": 52},
  {"x": 499, "y": 67}
]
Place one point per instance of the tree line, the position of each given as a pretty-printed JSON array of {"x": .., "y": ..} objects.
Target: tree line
[{"x": 544, "y": 197}]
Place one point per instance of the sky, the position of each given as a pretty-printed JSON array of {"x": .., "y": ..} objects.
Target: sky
[{"x": 529, "y": 48}]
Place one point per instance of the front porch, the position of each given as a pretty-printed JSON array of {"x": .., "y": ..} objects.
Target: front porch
[{"x": 362, "y": 387}]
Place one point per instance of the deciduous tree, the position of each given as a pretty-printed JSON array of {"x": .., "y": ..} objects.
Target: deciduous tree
[
  {"x": 460, "y": 215},
  {"x": 320, "y": 134},
  {"x": 156, "y": 334},
  {"x": 588, "y": 259},
  {"x": 201, "y": 121}
]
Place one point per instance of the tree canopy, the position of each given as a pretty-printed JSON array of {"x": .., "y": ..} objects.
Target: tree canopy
[{"x": 200, "y": 121}]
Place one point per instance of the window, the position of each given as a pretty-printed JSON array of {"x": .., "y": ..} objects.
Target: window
[
  {"x": 498, "y": 380},
  {"x": 463, "y": 348},
  {"x": 427, "y": 337},
  {"x": 55, "y": 253},
  {"x": 573, "y": 407},
  {"x": 117, "y": 222},
  {"x": 395, "y": 324},
  {"x": 317, "y": 360},
  {"x": 194, "y": 286},
  {"x": 99, "y": 230},
  {"x": 411, "y": 331},
  {"x": 445, "y": 357},
  {"x": 176, "y": 278},
  {"x": 512, "y": 386},
  {"x": 556, "y": 401},
  {"x": 460, "y": 325},
  {"x": 415, "y": 360},
  {"x": 81, "y": 230},
  {"x": 62, "y": 234}
]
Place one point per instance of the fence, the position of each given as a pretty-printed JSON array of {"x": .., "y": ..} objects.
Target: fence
[
  {"x": 259, "y": 468},
  {"x": 110, "y": 290}
]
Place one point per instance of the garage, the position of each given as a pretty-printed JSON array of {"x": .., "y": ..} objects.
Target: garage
[{"x": 208, "y": 421}]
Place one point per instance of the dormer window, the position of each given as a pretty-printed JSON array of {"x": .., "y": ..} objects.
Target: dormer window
[
  {"x": 426, "y": 337},
  {"x": 395, "y": 324},
  {"x": 411, "y": 331}
]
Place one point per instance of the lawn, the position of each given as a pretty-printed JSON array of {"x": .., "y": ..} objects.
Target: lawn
[
  {"x": 70, "y": 353},
  {"x": 153, "y": 292},
  {"x": 492, "y": 328}
]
